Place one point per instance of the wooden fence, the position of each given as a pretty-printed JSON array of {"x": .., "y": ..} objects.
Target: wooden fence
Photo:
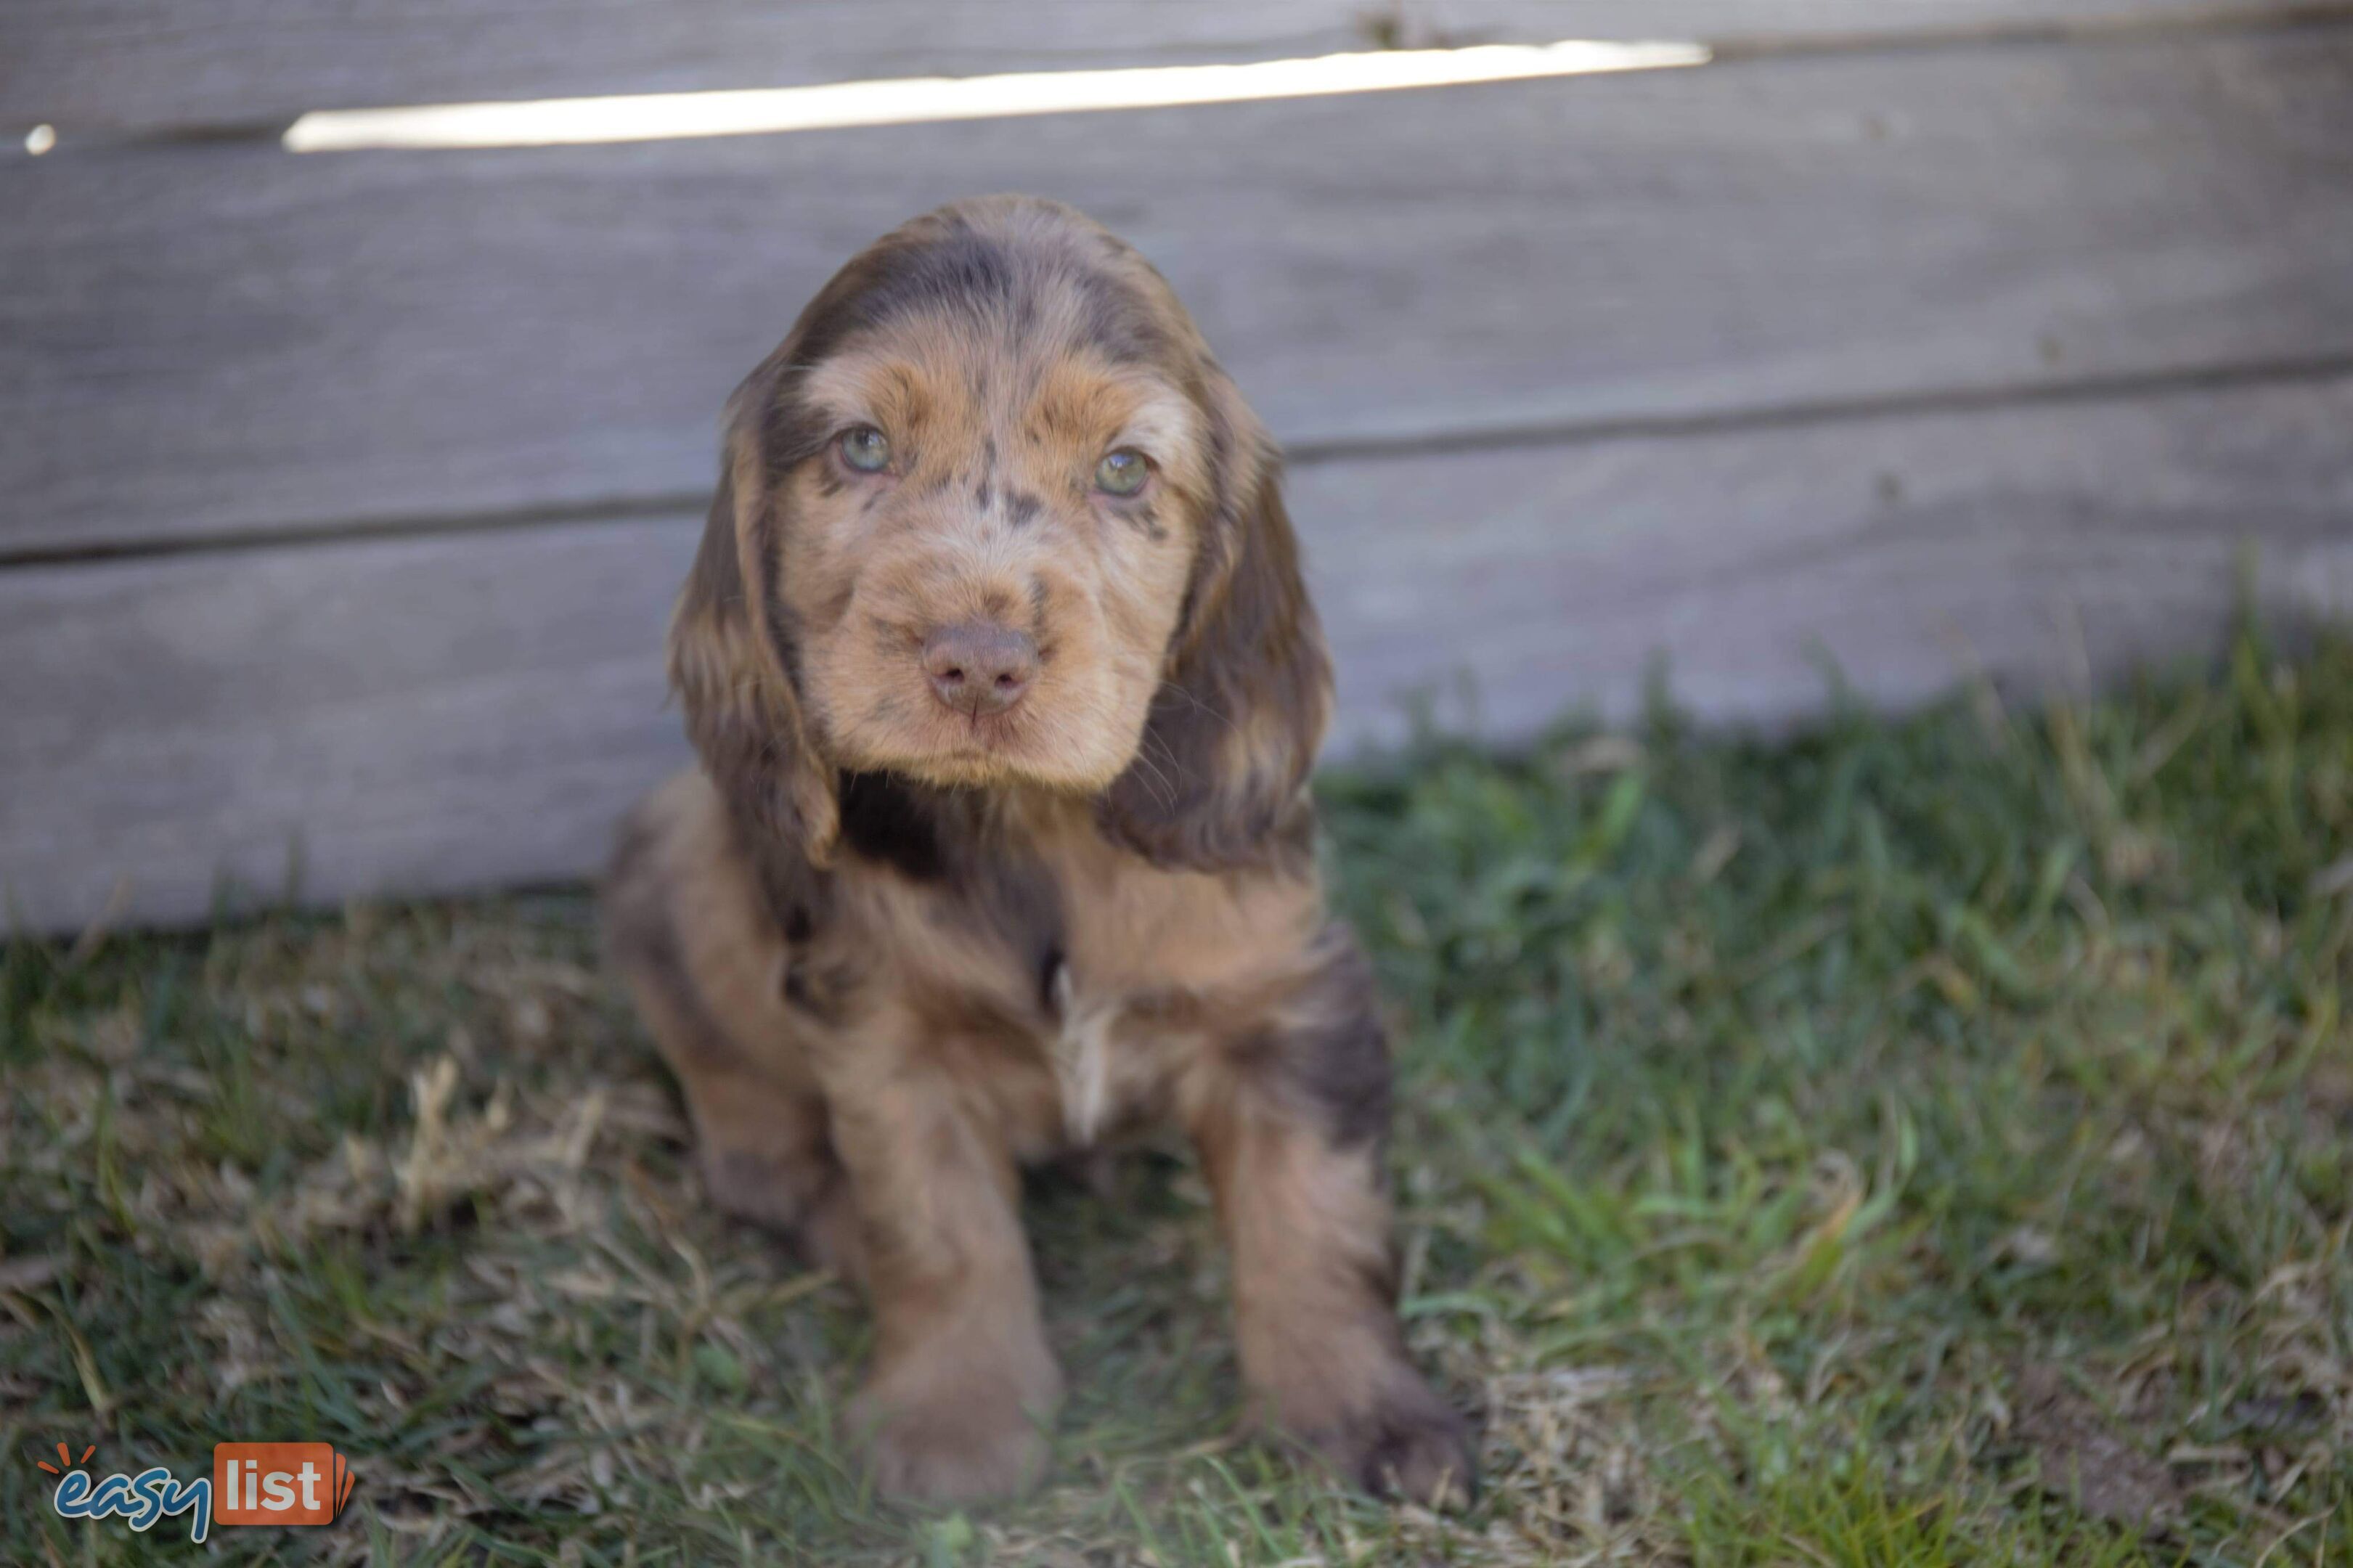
[{"x": 343, "y": 495}]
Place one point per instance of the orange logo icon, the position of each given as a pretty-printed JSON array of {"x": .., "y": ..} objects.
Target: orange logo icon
[{"x": 278, "y": 1483}]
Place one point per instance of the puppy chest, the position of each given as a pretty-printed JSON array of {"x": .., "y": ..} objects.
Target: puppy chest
[{"x": 1102, "y": 1074}]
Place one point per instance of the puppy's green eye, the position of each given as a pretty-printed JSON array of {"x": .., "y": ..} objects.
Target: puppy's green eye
[
  {"x": 1123, "y": 473},
  {"x": 865, "y": 448}
]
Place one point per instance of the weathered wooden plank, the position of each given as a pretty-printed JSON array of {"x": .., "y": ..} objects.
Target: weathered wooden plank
[
  {"x": 2042, "y": 547},
  {"x": 435, "y": 712},
  {"x": 139, "y": 66},
  {"x": 209, "y": 339},
  {"x": 463, "y": 711}
]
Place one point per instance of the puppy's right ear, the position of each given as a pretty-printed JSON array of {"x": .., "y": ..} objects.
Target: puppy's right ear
[{"x": 731, "y": 659}]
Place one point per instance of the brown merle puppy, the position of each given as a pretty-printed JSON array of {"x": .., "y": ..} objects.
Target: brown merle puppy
[{"x": 1006, "y": 691}]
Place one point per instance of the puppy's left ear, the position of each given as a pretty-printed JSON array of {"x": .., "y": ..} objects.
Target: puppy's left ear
[{"x": 1246, "y": 691}]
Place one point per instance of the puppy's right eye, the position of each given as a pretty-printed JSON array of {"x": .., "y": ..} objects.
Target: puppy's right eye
[{"x": 865, "y": 448}]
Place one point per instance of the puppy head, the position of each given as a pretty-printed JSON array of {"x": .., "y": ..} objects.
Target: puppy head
[{"x": 991, "y": 515}]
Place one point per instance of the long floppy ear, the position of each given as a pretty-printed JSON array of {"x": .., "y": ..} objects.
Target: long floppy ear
[
  {"x": 1220, "y": 780},
  {"x": 731, "y": 656}
]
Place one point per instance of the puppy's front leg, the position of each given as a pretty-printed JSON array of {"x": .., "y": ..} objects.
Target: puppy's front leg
[
  {"x": 963, "y": 1385},
  {"x": 1290, "y": 1118}
]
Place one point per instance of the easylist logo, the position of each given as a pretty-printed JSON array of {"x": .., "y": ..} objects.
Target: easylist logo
[{"x": 251, "y": 1483}]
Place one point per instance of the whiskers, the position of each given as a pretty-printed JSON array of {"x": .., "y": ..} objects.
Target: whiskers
[
  {"x": 1172, "y": 684},
  {"x": 1157, "y": 781}
]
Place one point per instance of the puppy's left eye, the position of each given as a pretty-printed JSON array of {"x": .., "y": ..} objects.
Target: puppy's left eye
[{"x": 1123, "y": 472}]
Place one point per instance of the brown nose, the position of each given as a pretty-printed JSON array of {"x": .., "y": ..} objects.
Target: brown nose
[{"x": 979, "y": 667}]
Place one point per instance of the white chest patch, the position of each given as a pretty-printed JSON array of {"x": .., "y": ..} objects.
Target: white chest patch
[{"x": 1082, "y": 1058}]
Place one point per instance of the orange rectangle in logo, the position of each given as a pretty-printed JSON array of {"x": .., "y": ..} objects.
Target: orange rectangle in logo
[{"x": 278, "y": 1483}]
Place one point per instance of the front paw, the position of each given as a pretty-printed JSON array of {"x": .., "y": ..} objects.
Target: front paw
[
  {"x": 1408, "y": 1443},
  {"x": 964, "y": 1438}
]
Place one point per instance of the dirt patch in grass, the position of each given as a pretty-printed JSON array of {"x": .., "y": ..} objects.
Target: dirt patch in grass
[{"x": 1908, "y": 1143}]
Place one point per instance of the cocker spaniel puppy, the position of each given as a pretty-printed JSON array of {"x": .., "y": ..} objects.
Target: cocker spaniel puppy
[{"x": 1005, "y": 691}]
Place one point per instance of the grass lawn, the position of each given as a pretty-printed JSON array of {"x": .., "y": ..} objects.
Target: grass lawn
[{"x": 1913, "y": 1143}]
